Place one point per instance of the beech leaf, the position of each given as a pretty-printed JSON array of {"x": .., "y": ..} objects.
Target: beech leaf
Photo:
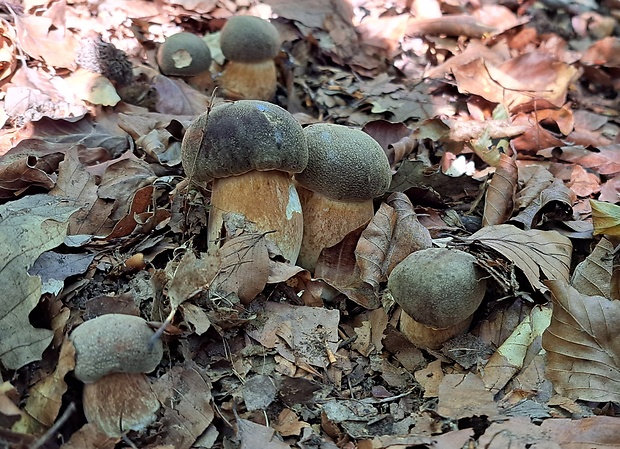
[
  {"x": 535, "y": 252},
  {"x": 392, "y": 234},
  {"x": 499, "y": 199},
  {"x": 583, "y": 349},
  {"x": 28, "y": 227}
]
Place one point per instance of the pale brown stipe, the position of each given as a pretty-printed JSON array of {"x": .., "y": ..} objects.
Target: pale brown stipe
[
  {"x": 250, "y": 45},
  {"x": 114, "y": 343},
  {"x": 346, "y": 169},
  {"x": 249, "y": 149},
  {"x": 439, "y": 290},
  {"x": 183, "y": 54}
]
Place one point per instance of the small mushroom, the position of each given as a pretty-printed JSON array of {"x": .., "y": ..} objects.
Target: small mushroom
[
  {"x": 346, "y": 170},
  {"x": 249, "y": 149},
  {"x": 250, "y": 45},
  {"x": 439, "y": 290},
  {"x": 183, "y": 54},
  {"x": 112, "y": 354}
]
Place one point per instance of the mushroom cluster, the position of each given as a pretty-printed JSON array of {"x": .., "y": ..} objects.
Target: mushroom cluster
[
  {"x": 250, "y": 45},
  {"x": 438, "y": 289},
  {"x": 113, "y": 352},
  {"x": 249, "y": 149}
]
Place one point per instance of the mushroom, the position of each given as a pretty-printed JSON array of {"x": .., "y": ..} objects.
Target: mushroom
[
  {"x": 183, "y": 54},
  {"x": 250, "y": 45},
  {"x": 346, "y": 170},
  {"x": 249, "y": 149},
  {"x": 439, "y": 290},
  {"x": 112, "y": 354}
]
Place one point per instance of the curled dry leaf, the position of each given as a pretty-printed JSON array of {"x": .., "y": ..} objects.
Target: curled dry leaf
[
  {"x": 392, "y": 234},
  {"x": 593, "y": 275},
  {"x": 583, "y": 349},
  {"x": 534, "y": 252},
  {"x": 499, "y": 199}
]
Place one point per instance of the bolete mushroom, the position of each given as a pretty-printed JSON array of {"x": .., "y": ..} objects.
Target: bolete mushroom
[
  {"x": 439, "y": 290},
  {"x": 112, "y": 354},
  {"x": 250, "y": 45},
  {"x": 183, "y": 54},
  {"x": 249, "y": 149},
  {"x": 346, "y": 170}
]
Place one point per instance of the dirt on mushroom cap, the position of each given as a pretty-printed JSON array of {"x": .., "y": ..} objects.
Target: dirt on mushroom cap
[
  {"x": 235, "y": 138},
  {"x": 344, "y": 164},
  {"x": 438, "y": 287}
]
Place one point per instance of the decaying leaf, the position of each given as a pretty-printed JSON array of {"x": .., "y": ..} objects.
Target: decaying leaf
[
  {"x": 510, "y": 356},
  {"x": 185, "y": 394},
  {"x": 583, "y": 349},
  {"x": 534, "y": 252},
  {"x": 244, "y": 267},
  {"x": 392, "y": 234},
  {"x": 606, "y": 218},
  {"x": 28, "y": 227},
  {"x": 593, "y": 275}
]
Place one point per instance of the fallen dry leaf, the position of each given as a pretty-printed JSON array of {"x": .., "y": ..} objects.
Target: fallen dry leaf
[
  {"x": 583, "y": 349},
  {"x": 606, "y": 218},
  {"x": 499, "y": 198},
  {"x": 592, "y": 276},
  {"x": 392, "y": 234},
  {"x": 30, "y": 226},
  {"x": 534, "y": 252}
]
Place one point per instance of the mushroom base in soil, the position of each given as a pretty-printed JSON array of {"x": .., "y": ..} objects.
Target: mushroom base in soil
[
  {"x": 252, "y": 80},
  {"x": 428, "y": 337},
  {"x": 268, "y": 199},
  {"x": 322, "y": 229}
]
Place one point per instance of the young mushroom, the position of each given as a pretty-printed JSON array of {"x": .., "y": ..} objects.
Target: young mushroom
[
  {"x": 439, "y": 290},
  {"x": 250, "y": 45},
  {"x": 183, "y": 54},
  {"x": 249, "y": 149},
  {"x": 112, "y": 354},
  {"x": 346, "y": 170}
]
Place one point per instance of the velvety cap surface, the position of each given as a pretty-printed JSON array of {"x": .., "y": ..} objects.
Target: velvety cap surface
[
  {"x": 249, "y": 39},
  {"x": 438, "y": 287},
  {"x": 238, "y": 137},
  {"x": 183, "y": 54},
  {"x": 344, "y": 164}
]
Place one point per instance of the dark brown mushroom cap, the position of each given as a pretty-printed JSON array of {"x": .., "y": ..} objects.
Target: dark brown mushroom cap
[
  {"x": 249, "y": 39},
  {"x": 114, "y": 343},
  {"x": 235, "y": 138},
  {"x": 183, "y": 54},
  {"x": 344, "y": 164},
  {"x": 438, "y": 287}
]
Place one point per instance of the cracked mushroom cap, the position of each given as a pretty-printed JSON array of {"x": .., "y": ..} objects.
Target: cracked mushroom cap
[
  {"x": 235, "y": 138},
  {"x": 249, "y": 39},
  {"x": 438, "y": 287},
  {"x": 344, "y": 164},
  {"x": 183, "y": 54},
  {"x": 114, "y": 343}
]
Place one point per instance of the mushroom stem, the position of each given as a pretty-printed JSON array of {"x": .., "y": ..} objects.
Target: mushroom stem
[
  {"x": 428, "y": 337},
  {"x": 327, "y": 222},
  {"x": 250, "y": 80},
  {"x": 268, "y": 199}
]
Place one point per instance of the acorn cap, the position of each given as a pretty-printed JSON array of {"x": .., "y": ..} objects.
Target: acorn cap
[
  {"x": 344, "y": 164},
  {"x": 249, "y": 39},
  {"x": 114, "y": 343},
  {"x": 438, "y": 287},
  {"x": 236, "y": 138},
  {"x": 183, "y": 54}
]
